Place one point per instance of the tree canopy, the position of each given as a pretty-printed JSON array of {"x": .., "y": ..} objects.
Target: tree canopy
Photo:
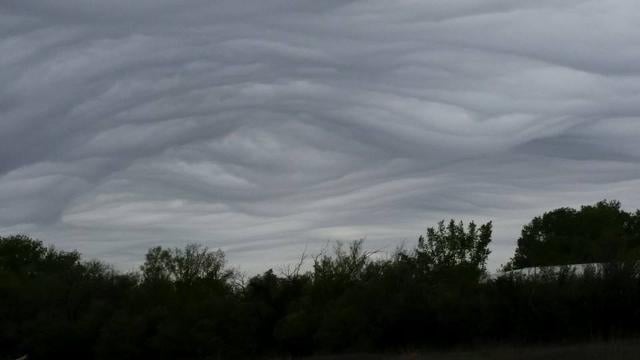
[
  {"x": 602, "y": 232},
  {"x": 453, "y": 246}
]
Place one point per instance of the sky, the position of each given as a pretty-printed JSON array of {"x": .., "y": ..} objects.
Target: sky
[{"x": 274, "y": 127}]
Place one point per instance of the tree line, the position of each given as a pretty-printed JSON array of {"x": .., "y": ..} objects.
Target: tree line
[{"x": 190, "y": 304}]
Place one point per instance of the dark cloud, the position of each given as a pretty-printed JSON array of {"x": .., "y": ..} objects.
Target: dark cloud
[{"x": 265, "y": 127}]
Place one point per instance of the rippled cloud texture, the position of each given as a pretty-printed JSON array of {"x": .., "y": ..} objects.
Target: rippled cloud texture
[{"x": 268, "y": 127}]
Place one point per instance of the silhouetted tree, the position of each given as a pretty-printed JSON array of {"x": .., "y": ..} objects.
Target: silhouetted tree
[
  {"x": 450, "y": 246},
  {"x": 187, "y": 265},
  {"x": 597, "y": 233}
]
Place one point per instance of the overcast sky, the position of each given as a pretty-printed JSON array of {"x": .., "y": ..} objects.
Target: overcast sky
[{"x": 267, "y": 127}]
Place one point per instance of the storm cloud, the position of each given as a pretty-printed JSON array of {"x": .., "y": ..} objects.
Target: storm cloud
[{"x": 268, "y": 127}]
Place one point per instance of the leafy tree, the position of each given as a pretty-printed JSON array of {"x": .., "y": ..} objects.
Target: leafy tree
[
  {"x": 20, "y": 254},
  {"x": 596, "y": 233},
  {"x": 449, "y": 246}
]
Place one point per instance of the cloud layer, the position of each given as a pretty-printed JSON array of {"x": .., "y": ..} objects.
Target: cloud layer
[{"x": 268, "y": 127}]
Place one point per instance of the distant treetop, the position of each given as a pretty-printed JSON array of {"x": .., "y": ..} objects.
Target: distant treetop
[{"x": 602, "y": 232}]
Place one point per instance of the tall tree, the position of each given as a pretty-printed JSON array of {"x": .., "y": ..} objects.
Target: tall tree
[
  {"x": 449, "y": 246},
  {"x": 602, "y": 232}
]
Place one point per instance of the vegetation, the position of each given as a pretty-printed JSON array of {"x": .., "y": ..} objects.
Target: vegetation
[
  {"x": 598, "y": 233},
  {"x": 188, "y": 304},
  {"x": 618, "y": 350}
]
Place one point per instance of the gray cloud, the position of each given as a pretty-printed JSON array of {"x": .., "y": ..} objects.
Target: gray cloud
[{"x": 265, "y": 127}]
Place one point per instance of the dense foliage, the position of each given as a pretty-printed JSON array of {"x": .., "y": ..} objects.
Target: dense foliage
[
  {"x": 188, "y": 304},
  {"x": 597, "y": 233}
]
